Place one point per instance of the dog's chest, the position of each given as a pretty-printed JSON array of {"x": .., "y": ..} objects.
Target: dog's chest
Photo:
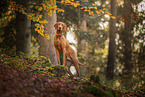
[{"x": 58, "y": 44}]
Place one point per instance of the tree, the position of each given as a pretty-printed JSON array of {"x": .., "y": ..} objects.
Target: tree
[
  {"x": 111, "y": 52},
  {"x": 23, "y": 30},
  {"x": 81, "y": 46},
  {"x": 126, "y": 35},
  {"x": 47, "y": 48}
]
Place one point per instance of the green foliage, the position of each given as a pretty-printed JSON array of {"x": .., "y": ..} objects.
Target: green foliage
[{"x": 40, "y": 65}]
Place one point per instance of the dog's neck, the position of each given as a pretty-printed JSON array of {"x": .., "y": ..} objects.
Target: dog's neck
[{"x": 59, "y": 33}]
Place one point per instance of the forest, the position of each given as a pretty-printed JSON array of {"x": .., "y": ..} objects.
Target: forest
[{"x": 107, "y": 35}]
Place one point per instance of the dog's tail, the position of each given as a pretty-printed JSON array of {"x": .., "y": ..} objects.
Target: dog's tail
[
  {"x": 78, "y": 62},
  {"x": 82, "y": 64}
]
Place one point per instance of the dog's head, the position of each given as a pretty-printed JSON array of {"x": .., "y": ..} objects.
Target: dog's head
[{"x": 59, "y": 26}]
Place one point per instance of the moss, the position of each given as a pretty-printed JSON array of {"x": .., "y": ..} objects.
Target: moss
[
  {"x": 59, "y": 70},
  {"x": 60, "y": 67},
  {"x": 112, "y": 93},
  {"x": 93, "y": 89},
  {"x": 95, "y": 78},
  {"x": 96, "y": 91}
]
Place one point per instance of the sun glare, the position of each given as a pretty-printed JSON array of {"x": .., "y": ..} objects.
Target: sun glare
[{"x": 70, "y": 37}]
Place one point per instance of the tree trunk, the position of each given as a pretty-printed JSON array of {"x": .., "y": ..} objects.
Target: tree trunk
[
  {"x": 23, "y": 31},
  {"x": 82, "y": 27},
  {"x": 127, "y": 36},
  {"x": 111, "y": 52},
  {"x": 47, "y": 48},
  {"x": 82, "y": 42},
  {"x": 81, "y": 47}
]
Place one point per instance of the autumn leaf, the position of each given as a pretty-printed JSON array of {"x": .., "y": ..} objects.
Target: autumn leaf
[
  {"x": 47, "y": 36},
  {"x": 5, "y": 18},
  {"x": 36, "y": 67},
  {"x": 91, "y": 13},
  {"x": 34, "y": 2},
  {"x": 53, "y": 2},
  {"x": 40, "y": 8},
  {"x": 50, "y": 13},
  {"x": 95, "y": 7},
  {"x": 40, "y": 16},
  {"x": 60, "y": 10},
  {"x": 23, "y": 12},
  {"x": 82, "y": 7},
  {"x": 91, "y": 7},
  {"x": 101, "y": 11},
  {"x": 36, "y": 7},
  {"x": 31, "y": 6},
  {"x": 97, "y": 12},
  {"x": 75, "y": 5},
  {"x": 122, "y": 66},
  {"x": 86, "y": 10},
  {"x": 62, "y": 1},
  {"x": 113, "y": 17},
  {"x": 9, "y": 12},
  {"x": 108, "y": 13},
  {"x": 77, "y": 2},
  {"x": 36, "y": 29}
]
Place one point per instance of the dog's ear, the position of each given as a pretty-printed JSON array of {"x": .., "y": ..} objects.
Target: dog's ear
[
  {"x": 55, "y": 25},
  {"x": 64, "y": 27}
]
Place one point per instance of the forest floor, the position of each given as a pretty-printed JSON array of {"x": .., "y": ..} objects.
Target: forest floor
[
  {"x": 23, "y": 76},
  {"x": 15, "y": 82}
]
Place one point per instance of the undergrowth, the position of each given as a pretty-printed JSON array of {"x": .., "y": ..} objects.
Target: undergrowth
[
  {"x": 22, "y": 74},
  {"x": 40, "y": 65}
]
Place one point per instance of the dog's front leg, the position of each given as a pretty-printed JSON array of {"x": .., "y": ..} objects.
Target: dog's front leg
[
  {"x": 58, "y": 58},
  {"x": 64, "y": 51}
]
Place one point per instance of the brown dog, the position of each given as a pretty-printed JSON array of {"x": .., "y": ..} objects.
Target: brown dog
[{"x": 62, "y": 46}]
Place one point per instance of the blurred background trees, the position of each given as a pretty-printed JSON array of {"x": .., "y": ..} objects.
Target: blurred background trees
[
  {"x": 111, "y": 51},
  {"x": 23, "y": 29},
  {"x": 116, "y": 51}
]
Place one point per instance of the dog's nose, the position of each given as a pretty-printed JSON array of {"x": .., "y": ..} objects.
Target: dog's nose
[{"x": 60, "y": 26}]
